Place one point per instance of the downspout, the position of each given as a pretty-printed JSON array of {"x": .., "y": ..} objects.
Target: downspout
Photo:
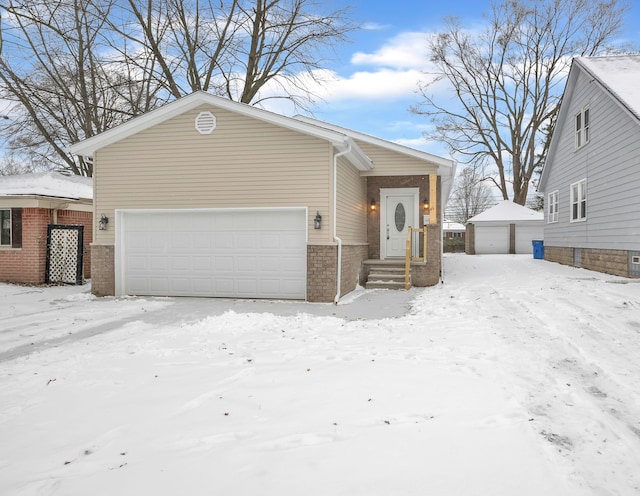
[{"x": 335, "y": 219}]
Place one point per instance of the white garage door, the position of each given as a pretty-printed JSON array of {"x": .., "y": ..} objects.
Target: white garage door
[
  {"x": 525, "y": 235},
  {"x": 492, "y": 239},
  {"x": 225, "y": 253}
]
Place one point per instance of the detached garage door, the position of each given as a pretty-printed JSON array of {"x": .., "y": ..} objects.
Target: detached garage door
[
  {"x": 525, "y": 235},
  {"x": 224, "y": 253},
  {"x": 491, "y": 239}
]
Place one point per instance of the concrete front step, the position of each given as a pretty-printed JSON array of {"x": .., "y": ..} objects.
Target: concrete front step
[
  {"x": 385, "y": 275},
  {"x": 384, "y": 285}
]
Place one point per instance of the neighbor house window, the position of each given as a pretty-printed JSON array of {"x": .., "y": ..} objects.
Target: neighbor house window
[
  {"x": 11, "y": 227},
  {"x": 552, "y": 210},
  {"x": 582, "y": 127},
  {"x": 579, "y": 200},
  {"x": 5, "y": 227}
]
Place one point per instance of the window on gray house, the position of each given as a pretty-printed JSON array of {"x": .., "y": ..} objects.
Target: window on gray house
[
  {"x": 552, "y": 208},
  {"x": 583, "y": 119},
  {"x": 579, "y": 201}
]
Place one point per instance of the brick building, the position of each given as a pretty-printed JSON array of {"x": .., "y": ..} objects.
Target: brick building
[{"x": 29, "y": 205}]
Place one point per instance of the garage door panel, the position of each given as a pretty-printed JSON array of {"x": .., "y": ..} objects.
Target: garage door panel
[
  {"x": 201, "y": 263},
  {"x": 245, "y": 241},
  {"x": 247, "y": 287},
  {"x": 524, "y": 237},
  {"x": 222, "y": 264},
  {"x": 178, "y": 264},
  {"x": 223, "y": 285},
  {"x": 223, "y": 240},
  {"x": 202, "y": 286},
  {"x": 267, "y": 241},
  {"x": 245, "y": 264},
  {"x": 214, "y": 253},
  {"x": 201, "y": 241},
  {"x": 491, "y": 239}
]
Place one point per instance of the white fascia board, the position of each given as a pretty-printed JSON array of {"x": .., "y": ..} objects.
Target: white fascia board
[
  {"x": 88, "y": 147},
  {"x": 564, "y": 106},
  {"x": 435, "y": 159}
]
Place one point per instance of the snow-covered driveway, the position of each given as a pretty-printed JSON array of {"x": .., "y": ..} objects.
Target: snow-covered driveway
[{"x": 516, "y": 376}]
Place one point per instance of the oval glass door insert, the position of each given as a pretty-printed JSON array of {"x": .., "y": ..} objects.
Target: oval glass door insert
[{"x": 400, "y": 217}]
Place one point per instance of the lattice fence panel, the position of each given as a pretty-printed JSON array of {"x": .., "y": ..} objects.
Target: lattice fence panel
[{"x": 64, "y": 254}]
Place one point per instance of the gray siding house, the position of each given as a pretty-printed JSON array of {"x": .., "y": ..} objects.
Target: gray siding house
[{"x": 591, "y": 178}]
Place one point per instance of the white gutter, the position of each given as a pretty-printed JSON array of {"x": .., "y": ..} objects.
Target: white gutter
[{"x": 335, "y": 219}]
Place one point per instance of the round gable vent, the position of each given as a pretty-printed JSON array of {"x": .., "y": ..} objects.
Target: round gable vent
[{"x": 205, "y": 122}]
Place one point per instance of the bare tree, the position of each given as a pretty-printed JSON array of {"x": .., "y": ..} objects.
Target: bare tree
[
  {"x": 62, "y": 86},
  {"x": 74, "y": 68},
  {"x": 236, "y": 48},
  {"x": 507, "y": 81},
  {"x": 470, "y": 196}
]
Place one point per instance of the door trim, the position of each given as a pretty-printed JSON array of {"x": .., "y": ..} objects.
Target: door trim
[{"x": 384, "y": 194}]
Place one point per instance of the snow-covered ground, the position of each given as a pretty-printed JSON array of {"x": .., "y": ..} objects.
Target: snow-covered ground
[{"x": 514, "y": 377}]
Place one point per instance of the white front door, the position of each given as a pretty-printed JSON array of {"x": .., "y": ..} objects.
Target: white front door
[{"x": 400, "y": 211}]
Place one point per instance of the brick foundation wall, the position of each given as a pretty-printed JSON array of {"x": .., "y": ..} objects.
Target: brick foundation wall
[
  {"x": 428, "y": 274},
  {"x": 558, "y": 254},
  {"x": 322, "y": 261},
  {"x": 352, "y": 271},
  {"x": 103, "y": 282},
  {"x": 26, "y": 265},
  {"x": 76, "y": 218},
  {"x": 615, "y": 262}
]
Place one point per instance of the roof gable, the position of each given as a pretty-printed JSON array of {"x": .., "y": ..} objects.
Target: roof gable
[
  {"x": 341, "y": 141},
  {"x": 618, "y": 77},
  {"x": 507, "y": 211}
]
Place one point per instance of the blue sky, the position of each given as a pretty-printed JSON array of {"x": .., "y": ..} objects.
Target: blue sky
[{"x": 377, "y": 73}]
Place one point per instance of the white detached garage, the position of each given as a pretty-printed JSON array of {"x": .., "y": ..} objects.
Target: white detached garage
[{"x": 505, "y": 228}]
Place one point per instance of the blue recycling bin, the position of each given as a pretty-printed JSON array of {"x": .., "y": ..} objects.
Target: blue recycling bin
[{"x": 538, "y": 249}]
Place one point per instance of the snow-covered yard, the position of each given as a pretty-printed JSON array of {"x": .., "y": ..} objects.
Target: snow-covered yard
[{"x": 514, "y": 377}]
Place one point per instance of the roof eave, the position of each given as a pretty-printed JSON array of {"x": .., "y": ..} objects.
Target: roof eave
[
  {"x": 442, "y": 162},
  {"x": 89, "y": 146}
]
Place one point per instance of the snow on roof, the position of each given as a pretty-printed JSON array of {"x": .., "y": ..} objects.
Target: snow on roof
[
  {"x": 620, "y": 75},
  {"x": 507, "y": 210},
  {"x": 50, "y": 184},
  {"x": 452, "y": 226}
]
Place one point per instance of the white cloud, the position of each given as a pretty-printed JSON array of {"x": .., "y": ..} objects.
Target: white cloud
[
  {"x": 404, "y": 51},
  {"x": 371, "y": 85},
  {"x": 373, "y": 26}
]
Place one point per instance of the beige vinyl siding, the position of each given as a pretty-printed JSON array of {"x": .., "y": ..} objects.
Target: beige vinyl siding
[
  {"x": 243, "y": 163},
  {"x": 390, "y": 163},
  {"x": 351, "y": 204}
]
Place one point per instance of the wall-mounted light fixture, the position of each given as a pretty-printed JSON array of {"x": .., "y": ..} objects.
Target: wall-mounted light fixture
[
  {"x": 317, "y": 222},
  {"x": 373, "y": 204},
  {"x": 425, "y": 203},
  {"x": 102, "y": 223}
]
